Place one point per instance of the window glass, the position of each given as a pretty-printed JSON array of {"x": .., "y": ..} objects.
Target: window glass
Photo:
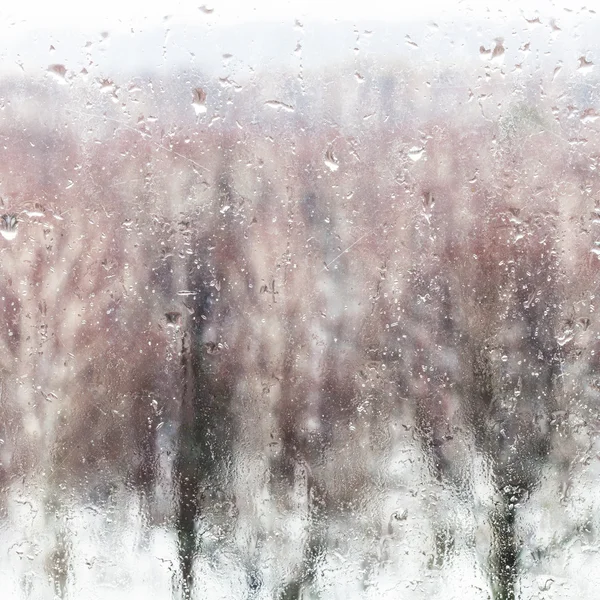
[{"x": 297, "y": 300}]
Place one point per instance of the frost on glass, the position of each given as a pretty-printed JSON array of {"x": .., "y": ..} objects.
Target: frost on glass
[{"x": 300, "y": 306}]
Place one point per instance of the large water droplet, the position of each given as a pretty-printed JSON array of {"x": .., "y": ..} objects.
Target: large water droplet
[
  {"x": 546, "y": 584},
  {"x": 428, "y": 201},
  {"x": 173, "y": 318},
  {"x": 589, "y": 116},
  {"x": 566, "y": 336},
  {"x": 498, "y": 51},
  {"x": 199, "y": 102},
  {"x": 8, "y": 227},
  {"x": 59, "y": 72},
  {"x": 416, "y": 153},
  {"x": 484, "y": 53}
]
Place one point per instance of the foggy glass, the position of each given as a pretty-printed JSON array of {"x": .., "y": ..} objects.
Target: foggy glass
[{"x": 301, "y": 307}]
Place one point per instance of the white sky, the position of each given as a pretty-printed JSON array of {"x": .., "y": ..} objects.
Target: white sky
[{"x": 27, "y": 14}]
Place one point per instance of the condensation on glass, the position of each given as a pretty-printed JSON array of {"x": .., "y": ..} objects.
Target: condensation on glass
[{"x": 300, "y": 304}]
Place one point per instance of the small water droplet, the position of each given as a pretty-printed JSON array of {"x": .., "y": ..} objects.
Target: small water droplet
[
  {"x": 556, "y": 71},
  {"x": 227, "y": 82},
  {"x": 199, "y": 101},
  {"x": 585, "y": 65},
  {"x": 207, "y": 9},
  {"x": 279, "y": 105},
  {"x": 331, "y": 162},
  {"x": 8, "y": 226},
  {"x": 534, "y": 20}
]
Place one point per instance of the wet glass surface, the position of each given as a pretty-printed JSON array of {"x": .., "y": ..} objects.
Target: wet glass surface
[{"x": 300, "y": 304}]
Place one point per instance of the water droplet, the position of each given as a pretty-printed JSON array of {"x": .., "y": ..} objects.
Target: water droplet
[
  {"x": 484, "y": 53},
  {"x": 107, "y": 86},
  {"x": 331, "y": 162},
  {"x": 584, "y": 323},
  {"x": 585, "y": 65},
  {"x": 207, "y": 9},
  {"x": 8, "y": 227},
  {"x": 416, "y": 153},
  {"x": 59, "y": 72},
  {"x": 566, "y": 337},
  {"x": 534, "y": 20},
  {"x": 173, "y": 318},
  {"x": 35, "y": 210},
  {"x": 279, "y": 105},
  {"x": 227, "y": 82},
  {"x": 199, "y": 102},
  {"x": 556, "y": 71},
  {"x": 498, "y": 51},
  {"x": 428, "y": 201},
  {"x": 546, "y": 585},
  {"x": 589, "y": 116}
]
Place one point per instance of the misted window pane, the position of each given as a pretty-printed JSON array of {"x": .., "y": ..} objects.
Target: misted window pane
[{"x": 298, "y": 301}]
